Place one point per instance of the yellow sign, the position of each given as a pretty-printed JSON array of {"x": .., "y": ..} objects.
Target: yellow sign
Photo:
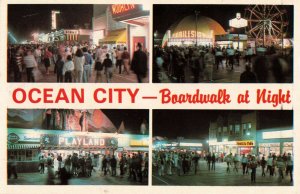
[
  {"x": 142, "y": 143},
  {"x": 245, "y": 143},
  {"x": 191, "y": 34}
]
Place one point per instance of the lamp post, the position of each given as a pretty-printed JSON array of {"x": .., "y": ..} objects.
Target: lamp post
[
  {"x": 197, "y": 13},
  {"x": 238, "y": 22}
]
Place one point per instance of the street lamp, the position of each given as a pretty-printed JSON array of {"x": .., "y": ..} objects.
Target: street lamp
[
  {"x": 238, "y": 22},
  {"x": 197, "y": 13}
]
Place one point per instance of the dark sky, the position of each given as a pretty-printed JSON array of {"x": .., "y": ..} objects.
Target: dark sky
[
  {"x": 195, "y": 123},
  {"x": 132, "y": 118},
  {"x": 25, "y": 19},
  {"x": 165, "y": 15}
]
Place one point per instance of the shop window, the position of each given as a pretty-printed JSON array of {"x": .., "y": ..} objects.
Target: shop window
[
  {"x": 237, "y": 129},
  {"x": 225, "y": 130},
  {"x": 230, "y": 129},
  {"x": 287, "y": 147},
  {"x": 249, "y": 125}
]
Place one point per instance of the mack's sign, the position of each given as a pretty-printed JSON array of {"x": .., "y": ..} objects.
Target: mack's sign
[
  {"x": 245, "y": 143},
  {"x": 77, "y": 141}
]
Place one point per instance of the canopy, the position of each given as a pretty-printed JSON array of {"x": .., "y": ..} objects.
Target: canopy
[{"x": 115, "y": 37}]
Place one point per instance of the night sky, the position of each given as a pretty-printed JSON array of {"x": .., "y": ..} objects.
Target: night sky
[
  {"x": 23, "y": 20},
  {"x": 165, "y": 15},
  {"x": 195, "y": 123},
  {"x": 132, "y": 118}
]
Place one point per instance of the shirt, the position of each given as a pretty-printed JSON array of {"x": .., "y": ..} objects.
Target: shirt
[
  {"x": 29, "y": 61},
  {"x": 69, "y": 66}
]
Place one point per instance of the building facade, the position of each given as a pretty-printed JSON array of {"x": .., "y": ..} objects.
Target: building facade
[
  {"x": 241, "y": 133},
  {"x": 25, "y": 146}
]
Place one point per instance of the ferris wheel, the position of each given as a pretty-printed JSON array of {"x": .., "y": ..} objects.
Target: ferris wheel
[{"x": 266, "y": 23}]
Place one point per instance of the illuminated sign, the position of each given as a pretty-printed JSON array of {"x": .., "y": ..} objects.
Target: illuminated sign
[
  {"x": 118, "y": 9},
  {"x": 269, "y": 145},
  {"x": 191, "y": 144},
  {"x": 13, "y": 138},
  {"x": 238, "y": 22},
  {"x": 191, "y": 34},
  {"x": 278, "y": 134},
  {"x": 245, "y": 143},
  {"x": 143, "y": 143},
  {"x": 53, "y": 19},
  {"x": 71, "y": 32},
  {"x": 77, "y": 141}
]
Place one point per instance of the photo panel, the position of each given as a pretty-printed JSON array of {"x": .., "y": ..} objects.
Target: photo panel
[
  {"x": 210, "y": 43},
  {"x": 223, "y": 147},
  {"x": 77, "y": 147},
  {"x": 81, "y": 43}
]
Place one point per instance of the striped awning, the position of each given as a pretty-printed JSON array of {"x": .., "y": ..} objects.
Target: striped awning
[
  {"x": 22, "y": 146},
  {"x": 115, "y": 37}
]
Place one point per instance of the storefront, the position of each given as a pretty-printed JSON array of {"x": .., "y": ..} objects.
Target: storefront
[
  {"x": 71, "y": 35},
  {"x": 26, "y": 145},
  {"x": 191, "y": 30},
  {"x": 275, "y": 141},
  {"x": 136, "y": 17},
  {"x": 234, "y": 147},
  {"x": 182, "y": 145},
  {"x": 232, "y": 40}
]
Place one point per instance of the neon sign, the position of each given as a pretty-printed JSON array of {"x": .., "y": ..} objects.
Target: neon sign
[
  {"x": 122, "y": 8},
  {"x": 191, "y": 34}
]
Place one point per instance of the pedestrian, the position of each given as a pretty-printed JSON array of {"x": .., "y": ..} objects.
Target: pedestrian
[
  {"x": 244, "y": 162},
  {"x": 213, "y": 162},
  {"x": 12, "y": 167},
  {"x": 64, "y": 176},
  {"x": 270, "y": 165},
  {"x": 42, "y": 165},
  {"x": 139, "y": 63},
  {"x": 47, "y": 57},
  {"x": 263, "y": 163},
  {"x": 113, "y": 165},
  {"x": 122, "y": 164},
  {"x": 88, "y": 166},
  {"x": 38, "y": 55},
  {"x": 253, "y": 166},
  {"x": 119, "y": 59},
  {"x": 280, "y": 165},
  {"x": 18, "y": 64},
  {"x": 87, "y": 65},
  {"x": 68, "y": 69},
  {"x": 208, "y": 159},
  {"x": 79, "y": 61},
  {"x": 98, "y": 68},
  {"x": 126, "y": 61},
  {"x": 107, "y": 63},
  {"x": 248, "y": 76},
  {"x": 59, "y": 68},
  {"x": 30, "y": 64},
  {"x": 236, "y": 162},
  {"x": 228, "y": 160},
  {"x": 289, "y": 166},
  {"x": 196, "y": 160},
  {"x": 209, "y": 61},
  {"x": 104, "y": 165}
]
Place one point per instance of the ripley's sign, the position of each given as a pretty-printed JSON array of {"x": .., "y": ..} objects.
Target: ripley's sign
[{"x": 77, "y": 141}]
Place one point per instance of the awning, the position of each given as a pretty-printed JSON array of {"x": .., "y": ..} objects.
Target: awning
[
  {"x": 144, "y": 149},
  {"x": 115, "y": 37},
  {"x": 22, "y": 146}
]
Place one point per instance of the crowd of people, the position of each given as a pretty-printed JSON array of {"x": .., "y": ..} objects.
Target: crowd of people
[
  {"x": 188, "y": 162},
  {"x": 75, "y": 62},
  {"x": 133, "y": 166},
  {"x": 263, "y": 65},
  {"x": 60, "y": 168}
]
